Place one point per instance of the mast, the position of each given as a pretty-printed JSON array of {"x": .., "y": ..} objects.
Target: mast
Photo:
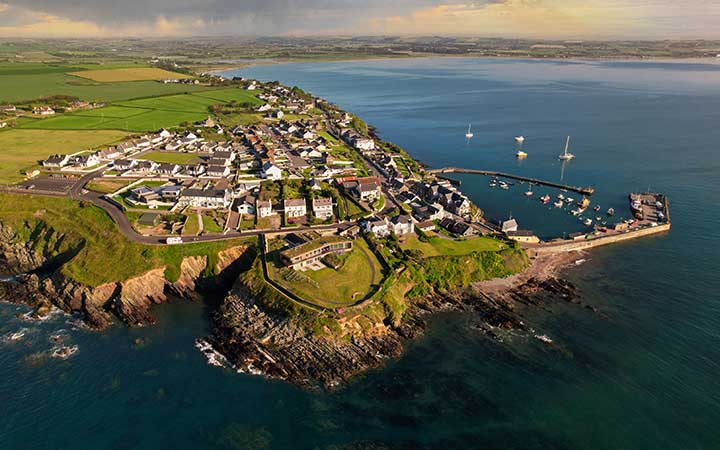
[{"x": 567, "y": 144}]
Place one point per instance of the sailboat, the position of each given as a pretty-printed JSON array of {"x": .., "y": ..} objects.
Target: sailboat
[
  {"x": 519, "y": 139},
  {"x": 565, "y": 156},
  {"x": 469, "y": 133}
]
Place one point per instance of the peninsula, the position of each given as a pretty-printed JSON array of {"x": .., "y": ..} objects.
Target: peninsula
[{"x": 138, "y": 183}]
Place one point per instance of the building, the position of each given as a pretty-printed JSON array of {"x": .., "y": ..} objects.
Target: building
[
  {"x": 85, "y": 161},
  {"x": 366, "y": 144},
  {"x": 43, "y": 111},
  {"x": 245, "y": 205},
  {"x": 168, "y": 169},
  {"x": 205, "y": 198},
  {"x": 271, "y": 172},
  {"x": 57, "y": 161},
  {"x": 322, "y": 207},
  {"x": 124, "y": 164},
  {"x": 309, "y": 254},
  {"x": 218, "y": 171},
  {"x": 524, "y": 236},
  {"x": 457, "y": 228},
  {"x": 263, "y": 208},
  {"x": 509, "y": 225},
  {"x": 402, "y": 225},
  {"x": 427, "y": 225},
  {"x": 369, "y": 189},
  {"x": 295, "y": 207},
  {"x": 378, "y": 227}
]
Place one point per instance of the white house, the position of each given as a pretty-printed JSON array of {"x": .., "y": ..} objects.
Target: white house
[
  {"x": 57, "y": 161},
  {"x": 218, "y": 171},
  {"x": 509, "y": 225},
  {"x": 295, "y": 207},
  {"x": 245, "y": 205},
  {"x": 402, "y": 225},
  {"x": 271, "y": 172},
  {"x": 364, "y": 144},
  {"x": 379, "y": 227},
  {"x": 322, "y": 207},
  {"x": 205, "y": 198},
  {"x": 263, "y": 208}
]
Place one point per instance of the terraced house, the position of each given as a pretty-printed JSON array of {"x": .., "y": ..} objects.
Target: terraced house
[{"x": 310, "y": 253}]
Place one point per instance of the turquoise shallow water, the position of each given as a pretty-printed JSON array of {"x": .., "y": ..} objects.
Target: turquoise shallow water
[{"x": 647, "y": 377}]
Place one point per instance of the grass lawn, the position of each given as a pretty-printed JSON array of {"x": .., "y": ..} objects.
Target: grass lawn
[
  {"x": 20, "y": 150},
  {"x": 107, "y": 185},
  {"x": 192, "y": 226},
  {"x": 171, "y": 157},
  {"x": 59, "y": 225},
  {"x": 210, "y": 225},
  {"x": 128, "y": 74},
  {"x": 335, "y": 288},
  {"x": 440, "y": 246}
]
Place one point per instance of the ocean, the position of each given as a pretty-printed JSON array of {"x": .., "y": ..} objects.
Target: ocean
[{"x": 643, "y": 374}]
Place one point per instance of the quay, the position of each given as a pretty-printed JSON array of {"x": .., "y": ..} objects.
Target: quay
[{"x": 580, "y": 190}]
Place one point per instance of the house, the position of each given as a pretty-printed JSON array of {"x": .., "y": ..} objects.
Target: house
[
  {"x": 379, "y": 227},
  {"x": 369, "y": 188},
  {"x": 145, "y": 166},
  {"x": 265, "y": 107},
  {"x": 271, "y": 172},
  {"x": 57, "y": 161},
  {"x": 278, "y": 114},
  {"x": 86, "y": 160},
  {"x": 43, "y": 111},
  {"x": 364, "y": 144},
  {"x": 309, "y": 254},
  {"x": 205, "y": 198},
  {"x": 143, "y": 143},
  {"x": 218, "y": 171},
  {"x": 165, "y": 134},
  {"x": 195, "y": 170},
  {"x": 218, "y": 162},
  {"x": 263, "y": 208},
  {"x": 245, "y": 205},
  {"x": 295, "y": 207},
  {"x": 402, "y": 225},
  {"x": 126, "y": 147},
  {"x": 110, "y": 153},
  {"x": 167, "y": 169},
  {"x": 427, "y": 225},
  {"x": 457, "y": 228},
  {"x": 124, "y": 164},
  {"x": 509, "y": 225},
  {"x": 207, "y": 123},
  {"x": 8, "y": 108},
  {"x": 149, "y": 219},
  {"x": 143, "y": 194},
  {"x": 322, "y": 207},
  {"x": 315, "y": 185},
  {"x": 228, "y": 156},
  {"x": 524, "y": 236}
]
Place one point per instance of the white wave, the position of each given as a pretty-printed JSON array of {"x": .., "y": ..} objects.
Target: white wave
[
  {"x": 214, "y": 357},
  {"x": 64, "y": 352}
]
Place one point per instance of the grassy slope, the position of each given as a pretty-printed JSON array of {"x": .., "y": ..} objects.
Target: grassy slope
[
  {"x": 128, "y": 74},
  {"x": 438, "y": 246},
  {"x": 21, "y": 150},
  {"x": 57, "y": 225}
]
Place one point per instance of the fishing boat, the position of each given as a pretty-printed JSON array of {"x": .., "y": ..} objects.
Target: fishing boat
[
  {"x": 529, "y": 192},
  {"x": 493, "y": 183},
  {"x": 596, "y": 208},
  {"x": 587, "y": 222},
  {"x": 566, "y": 156},
  {"x": 519, "y": 139},
  {"x": 503, "y": 185},
  {"x": 469, "y": 133},
  {"x": 561, "y": 197},
  {"x": 576, "y": 212},
  {"x": 610, "y": 211},
  {"x": 521, "y": 154},
  {"x": 584, "y": 203},
  {"x": 558, "y": 204},
  {"x": 545, "y": 199},
  {"x": 569, "y": 200}
]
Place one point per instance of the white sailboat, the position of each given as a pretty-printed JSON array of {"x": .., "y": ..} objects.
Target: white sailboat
[
  {"x": 469, "y": 133},
  {"x": 565, "y": 156}
]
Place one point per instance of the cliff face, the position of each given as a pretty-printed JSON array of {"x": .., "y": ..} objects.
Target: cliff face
[{"x": 129, "y": 300}]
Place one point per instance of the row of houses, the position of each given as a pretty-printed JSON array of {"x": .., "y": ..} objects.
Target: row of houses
[{"x": 322, "y": 208}]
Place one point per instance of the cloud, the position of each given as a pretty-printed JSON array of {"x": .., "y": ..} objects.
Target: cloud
[{"x": 523, "y": 18}]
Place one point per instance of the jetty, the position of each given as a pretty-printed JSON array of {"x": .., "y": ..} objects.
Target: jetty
[{"x": 491, "y": 173}]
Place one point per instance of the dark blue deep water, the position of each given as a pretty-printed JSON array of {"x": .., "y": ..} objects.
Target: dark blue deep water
[{"x": 647, "y": 377}]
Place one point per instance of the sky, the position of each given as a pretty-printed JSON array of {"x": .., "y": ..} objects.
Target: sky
[{"x": 548, "y": 19}]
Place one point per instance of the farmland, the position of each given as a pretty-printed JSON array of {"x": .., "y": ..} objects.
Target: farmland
[
  {"x": 20, "y": 150},
  {"x": 128, "y": 74},
  {"x": 30, "y": 81},
  {"x": 146, "y": 114}
]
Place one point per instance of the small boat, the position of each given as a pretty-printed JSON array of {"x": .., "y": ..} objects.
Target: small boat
[
  {"x": 610, "y": 211},
  {"x": 596, "y": 208},
  {"x": 576, "y": 212},
  {"x": 558, "y": 204},
  {"x": 519, "y": 139},
  {"x": 493, "y": 184},
  {"x": 561, "y": 197},
  {"x": 529, "y": 192},
  {"x": 566, "y": 156},
  {"x": 521, "y": 154},
  {"x": 545, "y": 199},
  {"x": 569, "y": 200},
  {"x": 598, "y": 219},
  {"x": 587, "y": 222},
  {"x": 469, "y": 133},
  {"x": 503, "y": 185},
  {"x": 584, "y": 203}
]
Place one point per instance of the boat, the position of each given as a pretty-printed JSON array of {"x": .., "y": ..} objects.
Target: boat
[
  {"x": 558, "y": 204},
  {"x": 503, "y": 185},
  {"x": 519, "y": 139},
  {"x": 584, "y": 203},
  {"x": 587, "y": 222},
  {"x": 576, "y": 212},
  {"x": 521, "y": 154},
  {"x": 545, "y": 199},
  {"x": 565, "y": 156},
  {"x": 529, "y": 193},
  {"x": 598, "y": 219},
  {"x": 569, "y": 200},
  {"x": 469, "y": 133},
  {"x": 493, "y": 183},
  {"x": 561, "y": 197},
  {"x": 596, "y": 208},
  {"x": 610, "y": 211}
]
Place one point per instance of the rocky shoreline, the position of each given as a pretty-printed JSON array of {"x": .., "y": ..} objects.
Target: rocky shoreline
[{"x": 254, "y": 341}]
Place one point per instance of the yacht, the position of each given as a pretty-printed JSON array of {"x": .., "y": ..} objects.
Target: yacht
[
  {"x": 503, "y": 185},
  {"x": 596, "y": 208},
  {"x": 545, "y": 199},
  {"x": 561, "y": 197},
  {"x": 587, "y": 222},
  {"x": 521, "y": 154},
  {"x": 610, "y": 211},
  {"x": 519, "y": 139},
  {"x": 566, "y": 156},
  {"x": 558, "y": 204},
  {"x": 529, "y": 192},
  {"x": 469, "y": 133}
]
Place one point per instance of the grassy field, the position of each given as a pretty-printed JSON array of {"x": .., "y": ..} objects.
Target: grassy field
[
  {"x": 60, "y": 226},
  {"x": 20, "y": 150},
  {"x": 29, "y": 81},
  {"x": 107, "y": 186},
  {"x": 171, "y": 157},
  {"x": 438, "y": 246},
  {"x": 210, "y": 225},
  {"x": 128, "y": 74},
  {"x": 192, "y": 226},
  {"x": 146, "y": 114},
  {"x": 336, "y": 288}
]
